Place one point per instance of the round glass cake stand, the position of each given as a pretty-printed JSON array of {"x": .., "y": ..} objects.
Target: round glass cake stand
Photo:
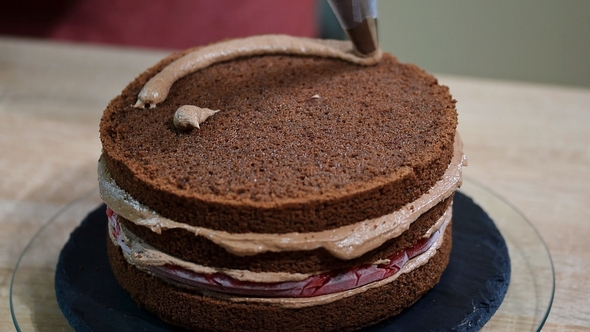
[
  {"x": 33, "y": 305},
  {"x": 532, "y": 282}
]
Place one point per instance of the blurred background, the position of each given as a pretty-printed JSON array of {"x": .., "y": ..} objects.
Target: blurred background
[{"x": 544, "y": 41}]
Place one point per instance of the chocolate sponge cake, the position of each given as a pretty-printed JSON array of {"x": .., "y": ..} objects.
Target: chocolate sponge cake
[{"x": 275, "y": 183}]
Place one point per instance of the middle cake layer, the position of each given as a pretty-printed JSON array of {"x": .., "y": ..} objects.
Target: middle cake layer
[
  {"x": 176, "y": 241},
  {"x": 202, "y": 251}
]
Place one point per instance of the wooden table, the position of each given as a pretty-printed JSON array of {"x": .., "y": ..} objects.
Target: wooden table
[{"x": 529, "y": 143}]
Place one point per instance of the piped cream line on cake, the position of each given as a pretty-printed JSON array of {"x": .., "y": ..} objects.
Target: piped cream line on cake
[
  {"x": 157, "y": 88},
  {"x": 345, "y": 242},
  {"x": 143, "y": 256}
]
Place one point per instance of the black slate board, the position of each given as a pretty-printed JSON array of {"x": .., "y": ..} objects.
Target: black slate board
[{"x": 469, "y": 292}]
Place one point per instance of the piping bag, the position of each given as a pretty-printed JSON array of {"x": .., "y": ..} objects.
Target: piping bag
[{"x": 359, "y": 19}]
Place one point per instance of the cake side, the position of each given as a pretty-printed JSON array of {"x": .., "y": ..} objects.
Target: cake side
[{"x": 200, "y": 250}]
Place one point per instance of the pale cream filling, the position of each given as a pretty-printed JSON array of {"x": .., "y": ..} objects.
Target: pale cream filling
[
  {"x": 142, "y": 255},
  {"x": 346, "y": 242},
  {"x": 156, "y": 89}
]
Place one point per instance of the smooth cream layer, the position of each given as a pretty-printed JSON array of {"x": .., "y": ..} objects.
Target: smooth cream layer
[
  {"x": 143, "y": 256},
  {"x": 156, "y": 89},
  {"x": 346, "y": 242}
]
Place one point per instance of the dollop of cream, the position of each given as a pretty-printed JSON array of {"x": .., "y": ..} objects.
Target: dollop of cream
[
  {"x": 157, "y": 88},
  {"x": 189, "y": 116}
]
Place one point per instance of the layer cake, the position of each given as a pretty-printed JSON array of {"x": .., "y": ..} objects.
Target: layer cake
[{"x": 278, "y": 183}]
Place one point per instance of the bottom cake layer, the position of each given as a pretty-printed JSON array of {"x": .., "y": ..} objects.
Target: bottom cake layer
[{"x": 190, "y": 309}]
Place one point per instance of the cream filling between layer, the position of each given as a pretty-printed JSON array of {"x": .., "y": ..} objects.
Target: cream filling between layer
[
  {"x": 142, "y": 255},
  {"x": 346, "y": 242}
]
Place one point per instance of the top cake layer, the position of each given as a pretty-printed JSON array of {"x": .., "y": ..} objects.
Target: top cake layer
[{"x": 300, "y": 144}]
